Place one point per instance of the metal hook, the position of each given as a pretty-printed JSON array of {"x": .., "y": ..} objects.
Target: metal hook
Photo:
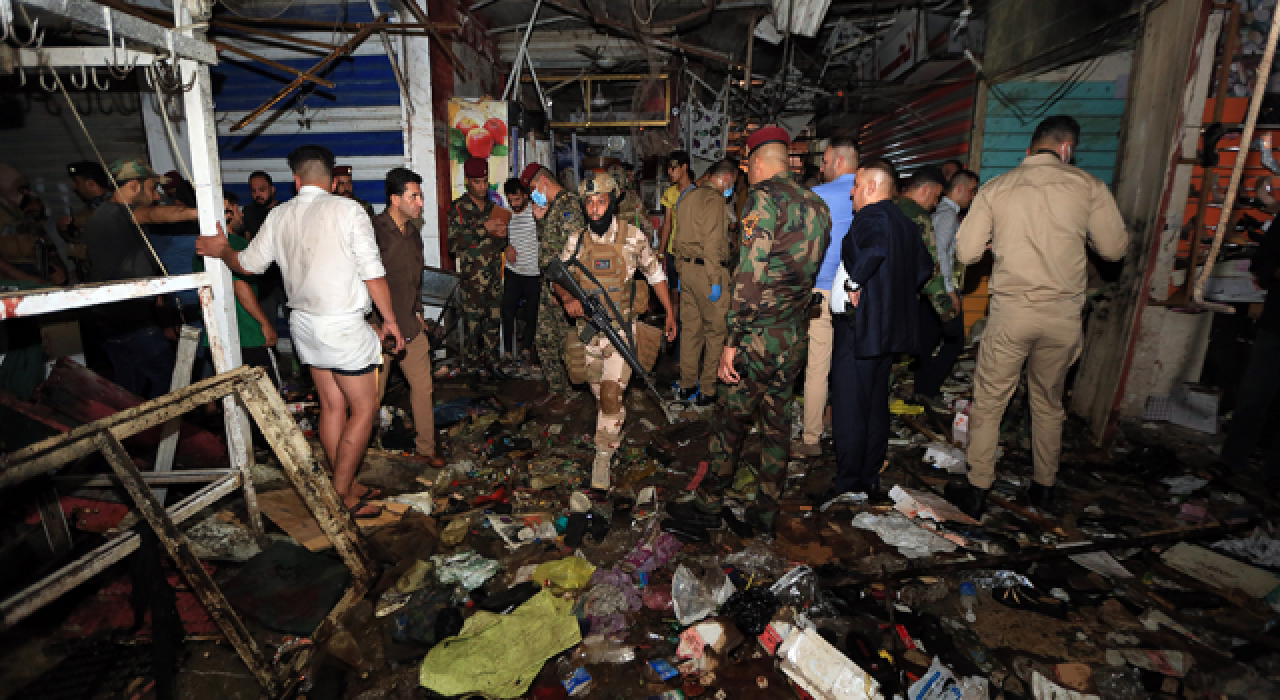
[
  {"x": 84, "y": 79},
  {"x": 36, "y": 37},
  {"x": 93, "y": 73},
  {"x": 44, "y": 85},
  {"x": 6, "y": 20},
  {"x": 22, "y": 73}
]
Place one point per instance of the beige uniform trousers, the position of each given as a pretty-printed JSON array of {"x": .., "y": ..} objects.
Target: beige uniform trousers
[
  {"x": 416, "y": 366},
  {"x": 702, "y": 327},
  {"x": 1046, "y": 336},
  {"x": 607, "y": 375},
  {"x": 817, "y": 372}
]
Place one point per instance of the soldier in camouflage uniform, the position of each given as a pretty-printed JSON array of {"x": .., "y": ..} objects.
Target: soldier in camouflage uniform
[
  {"x": 630, "y": 207},
  {"x": 784, "y": 234},
  {"x": 476, "y": 242},
  {"x": 614, "y": 250},
  {"x": 559, "y": 213},
  {"x": 919, "y": 198}
]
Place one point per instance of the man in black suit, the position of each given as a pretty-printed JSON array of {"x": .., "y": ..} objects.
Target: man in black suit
[{"x": 874, "y": 312}]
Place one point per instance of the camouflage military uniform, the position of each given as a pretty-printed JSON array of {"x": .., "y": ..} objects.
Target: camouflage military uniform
[
  {"x": 630, "y": 207},
  {"x": 479, "y": 258},
  {"x": 935, "y": 290},
  {"x": 565, "y": 216},
  {"x": 784, "y": 234}
]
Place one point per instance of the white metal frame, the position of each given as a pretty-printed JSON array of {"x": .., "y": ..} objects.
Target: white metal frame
[{"x": 193, "y": 55}]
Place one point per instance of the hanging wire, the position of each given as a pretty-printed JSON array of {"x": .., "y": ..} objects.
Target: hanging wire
[{"x": 115, "y": 187}]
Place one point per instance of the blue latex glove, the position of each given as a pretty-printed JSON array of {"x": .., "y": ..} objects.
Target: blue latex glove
[{"x": 715, "y": 293}]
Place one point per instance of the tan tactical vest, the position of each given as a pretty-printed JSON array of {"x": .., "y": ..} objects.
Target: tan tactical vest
[{"x": 608, "y": 264}]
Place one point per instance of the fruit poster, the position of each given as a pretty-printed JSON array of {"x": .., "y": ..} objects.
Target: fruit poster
[{"x": 478, "y": 127}]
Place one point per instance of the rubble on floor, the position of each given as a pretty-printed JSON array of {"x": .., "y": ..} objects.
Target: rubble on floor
[{"x": 504, "y": 576}]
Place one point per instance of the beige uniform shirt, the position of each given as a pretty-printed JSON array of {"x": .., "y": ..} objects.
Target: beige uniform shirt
[
  {"x": 1038, "y": 218},
  {"x": 703, "y": 218}
]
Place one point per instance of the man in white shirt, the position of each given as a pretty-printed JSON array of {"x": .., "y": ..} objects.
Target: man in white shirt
[{"x": 332, "y": 271}]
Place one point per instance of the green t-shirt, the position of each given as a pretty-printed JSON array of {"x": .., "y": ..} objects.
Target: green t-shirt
[{"x": 250, "y": 330}]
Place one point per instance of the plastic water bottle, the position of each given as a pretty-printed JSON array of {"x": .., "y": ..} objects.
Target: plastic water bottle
[
  {"x": 575, "y": 679},
  {"x": 968, "y": 599}
]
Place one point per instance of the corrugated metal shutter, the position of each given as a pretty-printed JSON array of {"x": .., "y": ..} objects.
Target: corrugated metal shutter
[
  {"x": 50, "y": 138},
  {"x": 930, "y": 129},
  {"x": 359, "y": 119},
  {"x": 1093, "y": 104}
]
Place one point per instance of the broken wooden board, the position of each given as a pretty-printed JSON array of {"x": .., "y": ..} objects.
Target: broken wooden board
[
  {"x": 1220, "y": 571},
  {"x": 286, "y": 509}
]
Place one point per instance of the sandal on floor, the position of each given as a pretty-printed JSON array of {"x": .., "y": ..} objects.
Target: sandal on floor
[
  {"x": 371, "y": 493},
  {"x": 1026, "y": 598},
  {"x": 361, "y": 505}
]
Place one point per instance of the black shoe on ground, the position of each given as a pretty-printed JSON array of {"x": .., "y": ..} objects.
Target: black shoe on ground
[
  {"x": 1041, "y": 496},
  {"x": 967, "y": 497},
  {"x": 689, "y": 512}
]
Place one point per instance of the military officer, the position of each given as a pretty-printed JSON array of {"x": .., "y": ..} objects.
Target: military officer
[
  {"x": 630, "y": 206},
  {"x": 784, "y": 234},
  {"x": 613, "y": 250},
  {"x": 476, "y": 241},
  {"x": 919, "y": 198},
  {"x": 344, "y": 186},
  {"x": 702, "y": 258},
  {"x": 559, "y": 213}
]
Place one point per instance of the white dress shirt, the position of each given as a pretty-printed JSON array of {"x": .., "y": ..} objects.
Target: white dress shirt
[{"x": 325, "y": 248}]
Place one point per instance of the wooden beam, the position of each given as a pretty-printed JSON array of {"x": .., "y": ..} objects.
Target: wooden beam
[
  {"x": 254, "y": 31},
  {"x": 337, "y": 53},
  {"x": 309, "y": 479},
  {"x": 418, "y": 14},
  {"x": 17, "y": 607},
  {"x": 166, "y": 20},
  {"x": 179, "y": 549},
  {"x": 55, "y": 452}
]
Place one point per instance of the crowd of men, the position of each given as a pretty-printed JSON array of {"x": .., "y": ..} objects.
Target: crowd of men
[{"x": 778, "y": 282}]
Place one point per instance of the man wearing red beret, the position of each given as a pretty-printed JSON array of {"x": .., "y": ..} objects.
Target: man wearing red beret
[
  {"x": 784, "y": 235},
  {"x": 476, "y": 241},
  {"x": 344, "y": 186},
  {"x": 560, "y": 214}
]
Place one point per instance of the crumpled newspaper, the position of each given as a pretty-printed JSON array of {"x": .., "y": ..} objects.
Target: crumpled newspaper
[{"x": 897, "y": 530}]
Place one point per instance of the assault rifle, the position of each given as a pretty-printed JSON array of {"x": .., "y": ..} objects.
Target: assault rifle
[{"x": 604, "y": 319}]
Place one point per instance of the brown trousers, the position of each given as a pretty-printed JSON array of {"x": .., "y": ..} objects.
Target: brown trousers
[
  {"x": 702, "y": 328},
  {"x": 1046, "y": 337},
  {"x": 416, "y": 366}
]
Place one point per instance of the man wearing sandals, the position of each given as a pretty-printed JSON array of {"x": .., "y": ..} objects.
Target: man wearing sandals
[{"x": 333, "y": 276}]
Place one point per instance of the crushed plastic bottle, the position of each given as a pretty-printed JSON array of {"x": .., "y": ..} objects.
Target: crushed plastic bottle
[
  {"x": 968, "y": 600},
  {"x": 597, "y": 649},
  {"x": 575, "y": 679}
]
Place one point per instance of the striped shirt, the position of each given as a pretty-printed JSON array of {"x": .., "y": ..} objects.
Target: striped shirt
[{"x": 522, "y": 234}]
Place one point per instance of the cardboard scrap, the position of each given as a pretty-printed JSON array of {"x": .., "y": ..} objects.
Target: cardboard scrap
[
  {"x": 1220, "y": 571},
  {"x": 822, "y": 670},
  {"x": 1101, "y": 563},
  {"x": 923, "y": 504},
  {"x": 1166, "y": 661},
  {"x": 286, "y": 509}
]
